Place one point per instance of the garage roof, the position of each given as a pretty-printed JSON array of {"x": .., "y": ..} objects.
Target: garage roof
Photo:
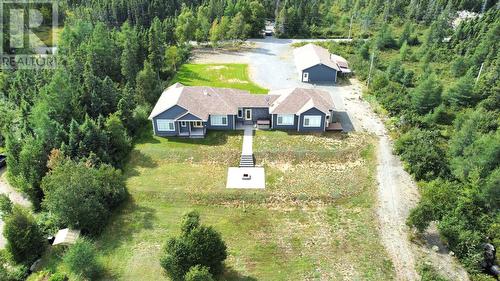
[{"x": 310, "y": 55}]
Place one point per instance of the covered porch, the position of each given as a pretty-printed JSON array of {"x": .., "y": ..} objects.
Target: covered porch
[{"x": 192, "y": 129}]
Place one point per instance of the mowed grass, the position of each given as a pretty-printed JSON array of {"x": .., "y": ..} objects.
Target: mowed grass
[
  {"x": 314, "y": 221},
  {"x": 218, "y": 75}
]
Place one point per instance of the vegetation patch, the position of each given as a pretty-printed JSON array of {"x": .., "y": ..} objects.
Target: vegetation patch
[
  {"x": 313, "y": 221},
  {"x": 218, "y": 75}
]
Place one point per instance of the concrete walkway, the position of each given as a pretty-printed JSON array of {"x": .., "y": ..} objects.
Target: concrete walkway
[{"x": 247, "y": 141}]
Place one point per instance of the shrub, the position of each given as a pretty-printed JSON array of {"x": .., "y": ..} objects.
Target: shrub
[
  {"x": 459, "y": 67},
  {"x": 197, "y": 245},
  {"x": 5, "y": 205},
  {"x": 81, "y": 259},
  {"x": 25, "y": 241},
  {"x": 80, "y": 196},
  {"x": 198, "y": 273},
  {"x": 422, "y": 151},
  {"x": 58, "y": 276}
]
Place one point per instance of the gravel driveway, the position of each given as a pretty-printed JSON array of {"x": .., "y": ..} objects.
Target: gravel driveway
[{"x": 271, "y": 66}]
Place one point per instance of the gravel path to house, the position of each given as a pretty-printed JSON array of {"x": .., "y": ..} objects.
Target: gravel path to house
[
  {"x": 272, "y": 67},
  {"x": 14, "y": 195}
]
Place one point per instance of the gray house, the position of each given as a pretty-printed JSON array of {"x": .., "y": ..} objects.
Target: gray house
[
  {"x": 316, "y": 64},
  {"x": 190, "y": 111}
]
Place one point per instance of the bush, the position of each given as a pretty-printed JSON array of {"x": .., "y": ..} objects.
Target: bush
[
  {"x": 82, "y": 197},
  {"x": 198, "y": 273},
  {"x": 25, "y": 241},
  {"x": 9, "y": 271},
  {"x": 197, "y": 245},
  {"x": 422, "y": 151},
  {"x": 5, "y": 205},
  {"x": 81, "y": 259},
  {"x": 459, "y": 67},
  {"x": 58, "y": 276}
]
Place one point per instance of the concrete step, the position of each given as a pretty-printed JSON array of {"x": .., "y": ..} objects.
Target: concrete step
[{"x": 247, "y": 161}]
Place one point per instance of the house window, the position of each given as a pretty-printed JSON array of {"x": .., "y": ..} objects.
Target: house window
[
  {"x": 183, "y": 124},
  {"x": 285, "y": 119},
  {"x": 197, "y": 124},
  {"x": 240, "y": 113},
  {"x": 164, "y": 125},
  {"x": 312, "y": 121},
  {"x": 218, "y": 120}
]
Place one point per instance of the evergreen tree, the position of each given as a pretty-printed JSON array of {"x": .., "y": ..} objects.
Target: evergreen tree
[
  {"x": 427, "y": 95},
  {"x": 147, "y": 84},
  {"x": 130, "y": 56},
  {"x": 156, "y": 41}
]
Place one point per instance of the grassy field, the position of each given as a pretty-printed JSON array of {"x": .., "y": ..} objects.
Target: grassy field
[
  {"x": 218, "y": 75},
  {"x": 315, "y": 220}
]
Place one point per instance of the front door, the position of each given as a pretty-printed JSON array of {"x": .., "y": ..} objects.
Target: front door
[
  {"x": 248, "y": 114},
  {"x": 305, "y": 77}
]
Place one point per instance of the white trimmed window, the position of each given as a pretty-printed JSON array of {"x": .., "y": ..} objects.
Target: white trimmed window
[
  {"x": 312, "y": 121},
  {"x": 183, "y": 124},
  {"x": 218, "y": 120},
  {"x": 165, "y": 125},
  {"x": 285, "y": 119},
  {"x": 197, "y": 124},
  {"x": 240, "y": 112}
]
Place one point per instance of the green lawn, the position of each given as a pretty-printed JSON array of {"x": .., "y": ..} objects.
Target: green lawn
[
  {"x": 315, "y": 219},
  {"x": 217, "y": 75}
]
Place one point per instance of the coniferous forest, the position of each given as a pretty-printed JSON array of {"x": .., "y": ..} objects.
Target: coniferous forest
[{"x": 436, "y": 82}]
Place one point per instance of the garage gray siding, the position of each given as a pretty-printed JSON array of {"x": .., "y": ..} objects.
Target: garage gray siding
[
  {"x": 312, "y": 111},
  {"x": 321, "y": 73}
]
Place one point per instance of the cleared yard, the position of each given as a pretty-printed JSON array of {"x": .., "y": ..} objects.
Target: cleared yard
[
  {"x": 218, "y": 75},
  {"x": 315, "y": 220}
]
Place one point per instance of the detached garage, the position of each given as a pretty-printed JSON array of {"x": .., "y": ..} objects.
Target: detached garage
[{"x": 314, "y": 64}]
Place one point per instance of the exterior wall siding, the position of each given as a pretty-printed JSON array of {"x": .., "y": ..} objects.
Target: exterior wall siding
[
  {"x": 162, "y": 133},
  {"x": 183, "y": 129},
  {"x": 321, "y": 73},
  {"x": 258, "y": 113},
  {"x": 275, "y": 125},
  {"x": 312, "y": 111},
  {"x": 171, "y": 113},
  {"x": 189, "y": 117},
  {"x": 229, "y": 126}
]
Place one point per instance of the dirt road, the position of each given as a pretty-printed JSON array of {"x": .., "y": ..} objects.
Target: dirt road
[
  {"x": 15, "y": 196},
  {"x": 271, "y": 66}
]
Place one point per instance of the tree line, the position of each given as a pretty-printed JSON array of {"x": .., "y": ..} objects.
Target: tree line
[{"x": 442, "y": 97}]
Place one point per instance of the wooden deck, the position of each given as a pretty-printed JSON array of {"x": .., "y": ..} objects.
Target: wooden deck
[{"x": 334, "y": 127}]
